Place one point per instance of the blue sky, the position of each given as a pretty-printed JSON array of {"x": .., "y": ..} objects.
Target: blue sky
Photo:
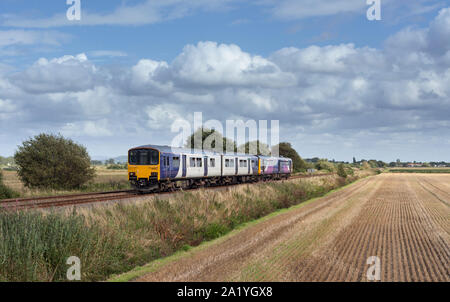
[{"x": 341, "y": 85}]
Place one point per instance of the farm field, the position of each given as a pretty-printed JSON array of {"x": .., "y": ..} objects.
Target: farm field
[
  {"x": 104, "y": 177},
  {"x": 420, "y": 170},
  {"x": 403, "y": 219}
]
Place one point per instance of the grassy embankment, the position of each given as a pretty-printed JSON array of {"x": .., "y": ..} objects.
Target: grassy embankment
[{"x": 116, "y": 238}]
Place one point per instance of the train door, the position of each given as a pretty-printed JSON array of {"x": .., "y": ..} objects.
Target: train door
[
  {"x": 184, "y": 165},
  {"x": 237, "y": 165},
  {"x": 206, "y": 165},
  {"x": 279, "y": 166},
  {"x": 165, "y": 166},
  {"x": 248, "y": 163}
]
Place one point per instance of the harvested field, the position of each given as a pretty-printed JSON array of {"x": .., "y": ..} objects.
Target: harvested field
[{"x": 403, "y": 219}]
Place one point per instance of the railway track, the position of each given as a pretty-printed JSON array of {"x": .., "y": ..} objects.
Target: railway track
[{"x": 86, "y": 198}]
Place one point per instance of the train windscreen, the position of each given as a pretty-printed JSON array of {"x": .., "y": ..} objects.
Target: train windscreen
[{"x": 143, "y": 157}]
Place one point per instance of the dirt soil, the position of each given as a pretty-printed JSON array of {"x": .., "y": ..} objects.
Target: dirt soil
[{"x": 403, "y": 219}]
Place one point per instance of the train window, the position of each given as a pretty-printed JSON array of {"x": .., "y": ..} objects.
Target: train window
[
  {"x": 133, "y": 157},
  {"x": 143, "y": 157},
  {"x": 199, "y": 162},
  {"x": 231, "y": 162},
  {"x": 192, "y": 161},
  {"x": 212, "y": 162},
  {"x": 227, "y": 163},
  {"x": 176, "y": 162},
  {"x": 154, "y": 157}
]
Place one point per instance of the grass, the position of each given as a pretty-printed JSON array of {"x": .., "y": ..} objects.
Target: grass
[
  {"x": 116, "y": 238},
  {"x": 105, "y": 180},
  {"x": 420, "y": 170}
]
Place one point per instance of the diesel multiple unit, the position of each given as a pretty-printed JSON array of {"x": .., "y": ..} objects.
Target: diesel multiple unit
[{"x": 162, "y": 168}]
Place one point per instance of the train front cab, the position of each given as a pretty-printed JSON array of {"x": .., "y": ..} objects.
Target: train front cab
[{"x": 144, "y": 168}]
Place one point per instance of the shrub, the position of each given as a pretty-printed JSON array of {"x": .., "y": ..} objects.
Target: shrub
[
  {"x": 341, "y": 171},
  {"x": 6, "y": 192},
  {"x": 325, "y": 165},
  {"x": 53, "y": 162}
]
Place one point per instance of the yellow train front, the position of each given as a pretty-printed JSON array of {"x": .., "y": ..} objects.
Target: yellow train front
[{"x": 144, "y": 168}]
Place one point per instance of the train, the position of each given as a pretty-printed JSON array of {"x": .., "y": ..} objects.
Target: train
[{"x": 154, "y": 168}]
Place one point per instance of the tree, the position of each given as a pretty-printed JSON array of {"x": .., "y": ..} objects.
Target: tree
[
  {"x": 210, "y": 139},
  {"x": 324, "y": 164},
  {"x": 354, "y": 160},
  {"x": 259, "y": 147},
  {"x": 110, "y": 161},
  {"x": 53, "y": 162},
  {"x": 341, "y": 171},
  {"x": 96, "y": 162},
  {"x": 286, "y": 150}
]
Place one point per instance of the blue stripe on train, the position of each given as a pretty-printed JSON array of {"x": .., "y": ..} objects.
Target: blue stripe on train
[{"x": 169, "y": 171}]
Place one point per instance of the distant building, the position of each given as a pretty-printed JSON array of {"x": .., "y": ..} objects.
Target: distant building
[
  {"x": 311, "y": 171},
  {"x": 414, "y": 165}
]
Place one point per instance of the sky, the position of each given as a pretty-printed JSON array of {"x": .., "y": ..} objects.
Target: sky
[{"x": 340, "y": 85}]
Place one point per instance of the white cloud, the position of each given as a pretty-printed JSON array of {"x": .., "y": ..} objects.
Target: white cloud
[
  {"x": 162, "y": 116},
  {"x": 107, "y": 53},
  {"x": 99, "y": 128},
  {"x": 299, "y": 9},
  {"x": 146, "y": 12},
  {"x": 64, "y": 74},
  {"x": 29, "y": 37},
  {"x": 6, "y": 106},
  {"x": 212, "y": 64}
]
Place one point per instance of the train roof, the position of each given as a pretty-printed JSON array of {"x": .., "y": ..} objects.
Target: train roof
[{"x": 169, "y": 149}]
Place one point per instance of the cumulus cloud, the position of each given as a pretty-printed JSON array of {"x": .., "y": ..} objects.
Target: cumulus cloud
[
  {"x": 64, "y": 74},
  {"x": 326, "y": 95},
  {"x": 212, "y": 64}
]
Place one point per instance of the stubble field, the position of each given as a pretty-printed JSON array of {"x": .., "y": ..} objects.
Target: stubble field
[{"x": 403, "y": 220}]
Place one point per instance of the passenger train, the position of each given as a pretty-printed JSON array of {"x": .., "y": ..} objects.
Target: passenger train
[{"x": 163, "y": 168}]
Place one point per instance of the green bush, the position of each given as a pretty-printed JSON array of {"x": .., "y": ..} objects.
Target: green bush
[
  {"x": 6, "y": 192},
  {"x": 341, "y": 171},
  {"x": 324, "y": 164},
  {"x": 53, "y": 162}
]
